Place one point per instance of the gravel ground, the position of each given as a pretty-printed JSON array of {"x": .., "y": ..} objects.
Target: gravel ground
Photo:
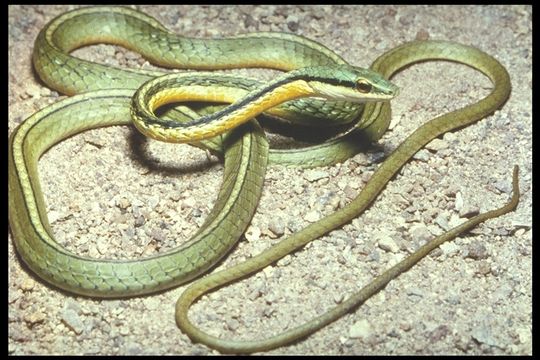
[{"x": 111, "y": 194}]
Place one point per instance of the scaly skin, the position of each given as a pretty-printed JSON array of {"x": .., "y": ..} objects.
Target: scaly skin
[{"x": 245, "y": 156}]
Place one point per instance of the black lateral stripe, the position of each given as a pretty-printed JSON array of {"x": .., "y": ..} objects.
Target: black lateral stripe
[{"x": 169, "y": 124}]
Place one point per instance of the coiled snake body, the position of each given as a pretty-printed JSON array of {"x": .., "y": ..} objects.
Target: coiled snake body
[{"x": 105, "y": 98}]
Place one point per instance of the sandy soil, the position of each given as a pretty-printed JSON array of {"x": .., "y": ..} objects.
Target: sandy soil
[{"x": 111, "y": 194}]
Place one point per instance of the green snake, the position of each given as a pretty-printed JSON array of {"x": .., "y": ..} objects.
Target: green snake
[{"x": 105, "y": 98}]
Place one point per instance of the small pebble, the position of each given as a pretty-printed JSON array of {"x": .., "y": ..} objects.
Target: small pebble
[
  {"x": 422, "y": 155},
  {"x": 33, "y": 90},
  {"x": 72, "y": 321},
  {"x": 458, "y": 203},
  {"x": 442, "y": 221},
  {"x": 253, "y": 233},
  {"x": 314, "y": 175},
  {"x": 133, "y": 349},
  {"x": 414, "y": 291},
  {"x": 360, "y": 329},
  {"x": 420, "y": 233},
  {"x": 188, "y": 203},
  {"x": 439, "y": 333},
  {"x": 34, "y": 318},
  {"x": 484, "y": 334},
  {"x": 484, "y": 268},
  {"x": 276, "y": 226},
  {"x": 54, "y": 216},
  {"x": 123, "y": 203},
  {"x": 284, "y": 261},
  {"x": 437, "y": 145},
  {"x": 469, "y": 211},
  {"x": 158, "y": 235},
  {"x": 124, "y": 330},
  {"x": 13, "y": 296},
  {"x": 338, "y": 297},
  {"x": 27, "y": 284},
  {"x": 102, "y": 245},
  {"x": 449, "y": 248},
  {"x": 152, "y": 304},
  {"x": 292, "y": 23},
  {"x": 476, "y": 251},
  {"x": 312, "y": 216},
  {"x": 388, "y": 244},
  {"x": 232, "y": 324},
  {"x": 73, "y": 305}
]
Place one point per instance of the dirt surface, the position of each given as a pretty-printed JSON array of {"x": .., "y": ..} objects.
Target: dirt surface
[{"x": 111, "y": 195}]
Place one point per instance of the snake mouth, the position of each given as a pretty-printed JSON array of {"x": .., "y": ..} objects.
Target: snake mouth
[{"x": 329, "y": 92}]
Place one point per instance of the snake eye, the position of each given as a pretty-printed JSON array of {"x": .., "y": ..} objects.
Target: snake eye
[{"x": 363, "y": 86}]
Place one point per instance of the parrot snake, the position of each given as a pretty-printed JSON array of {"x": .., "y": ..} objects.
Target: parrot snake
[{"x": 317, "y": 86}]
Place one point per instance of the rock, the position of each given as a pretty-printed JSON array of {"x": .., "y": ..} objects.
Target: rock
[
  {"x": 72, "y": 321},
  {"x": 350, "y": 192},
  {"x": 524, "y": 335},
  {"x": 152, "y": 304},
  {"x": 292, "y": 23},
  {"x": 27, "y": 285},
  {"x": 338, "y": 297},
  {"x": 449, "y": 248},
  {"x": 102, "y": 245},
  {"x": 458, "y": 204},
  {"x": 188, "y": 203},
  {"x": 360, "y": 329},
  {"x": 232, "y": 324},
  {"x": 153, "y": 202},
  {"x": 276, "y": 226},
  {"x": 158, "y": 235},
  {"x": 437, "y": 144},
  {"x": 133, "y": 349},
  {"x": 484, "y": 268},
  {"x": 468, "y": 211},
  {"x": 13, "y": 296},
  {"x": 33, "y": 90},
  {"x": 420, "y": 233},
  {"x": 34, "y": 318},
  {"x": 415, "y": 291},
  {"x": 385, "y": 242},
  {"x": 73, "y": 305},
  {"x": 312, "y": 216},
  {"x": 253, "y": 234},
  {"x": 123, "y": 203},
  {"x": 453, "y": 299},
  {"x": 503, "y": 186},
  {"x": 442, "y": 221},
  {"x": 439, "y": 333},
  {"x": 422, "y": 155},
  {"x": 54, "y": 216},
  {"x": 476, "y": 251},
  {"x": 502, "y": 294},
  {"x": 284, "y": 261},
  {"x": 124, "y": 330},
  {"x": 374, "y": 256},
  {"x": 483, "y": 334},
  {"x": 314, "y": 175}
]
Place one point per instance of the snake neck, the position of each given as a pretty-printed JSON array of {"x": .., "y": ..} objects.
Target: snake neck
[{"x": 239, "y": 112}]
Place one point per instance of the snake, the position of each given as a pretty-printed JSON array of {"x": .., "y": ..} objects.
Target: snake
[{"x": 317, "y": 84}]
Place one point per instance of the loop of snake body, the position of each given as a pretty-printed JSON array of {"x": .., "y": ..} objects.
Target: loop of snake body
[{"x": 105, "y": 98}]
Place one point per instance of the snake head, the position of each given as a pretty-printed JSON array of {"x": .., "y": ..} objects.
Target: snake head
[{"x": 349, "y": 83}]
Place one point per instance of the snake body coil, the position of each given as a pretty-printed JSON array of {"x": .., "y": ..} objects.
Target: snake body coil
[{"x": 105, "y": 98}]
